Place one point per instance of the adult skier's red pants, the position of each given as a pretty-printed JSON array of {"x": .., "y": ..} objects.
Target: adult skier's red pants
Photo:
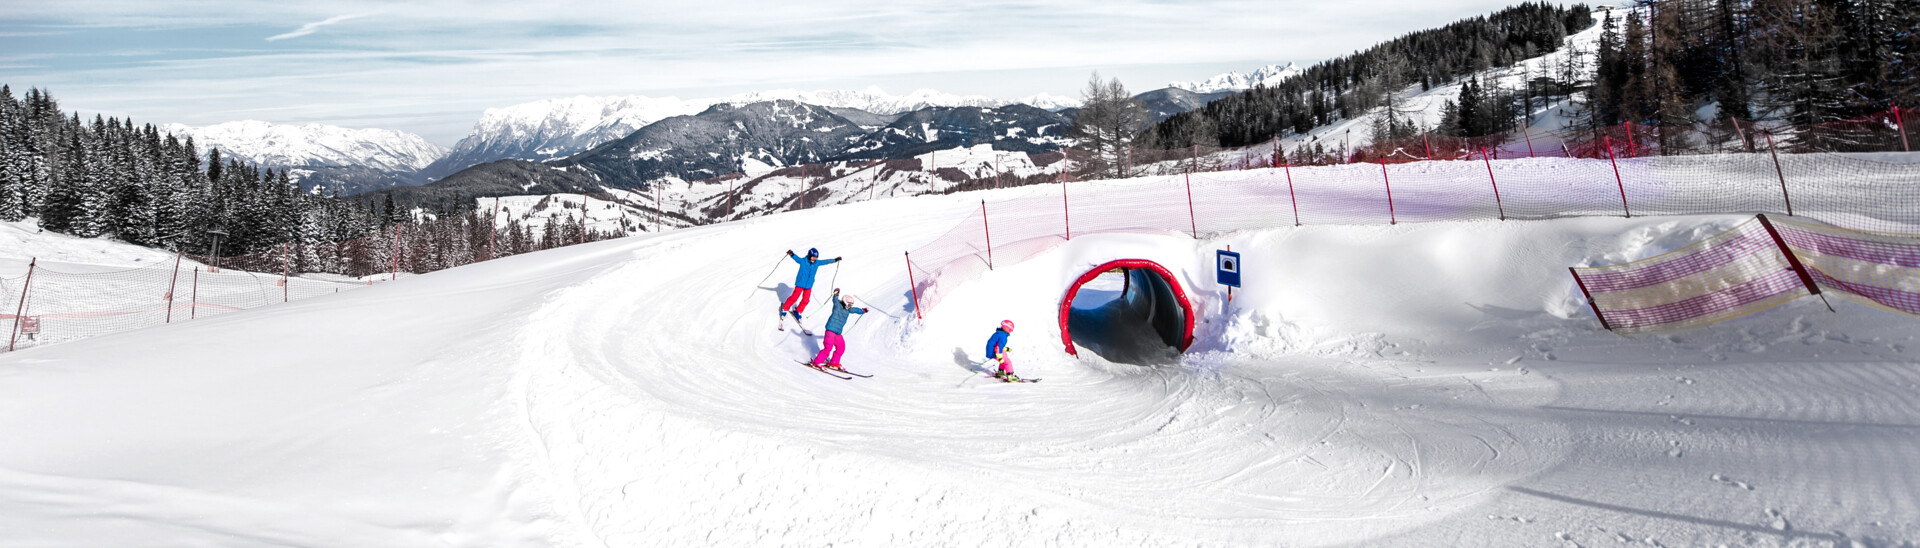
[
  {"x": 834, "y": 346},
  {"x": 797, "y": 301}
]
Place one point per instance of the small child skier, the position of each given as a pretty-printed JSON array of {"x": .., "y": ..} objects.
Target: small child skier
[
  {"x": 997, "y": 350},
  {"x": 835, "y": 346},
  {"x": 802, "y": 286}
]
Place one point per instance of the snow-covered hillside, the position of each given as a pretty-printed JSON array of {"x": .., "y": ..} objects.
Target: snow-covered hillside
[
  {"x": 315, "y": 145},
  {"x": 1412, "y": 385},
  {"x": 1236, "y": 81}
]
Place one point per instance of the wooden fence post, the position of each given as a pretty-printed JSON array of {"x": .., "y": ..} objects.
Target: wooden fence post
[
  {"x": 1392, "y": 218},
  {"x": 22, "y": 307},
  {"x": 1290, "y": 195},
  {"x": 1780, "y": 172},
  {"x": 173, "y": 284},
  {"x": 988, "y": 230}
]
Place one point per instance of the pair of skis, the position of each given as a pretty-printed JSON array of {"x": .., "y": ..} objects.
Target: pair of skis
[
  {"x": 837, "y": 373},
  {"x": 796, "y": 323}
]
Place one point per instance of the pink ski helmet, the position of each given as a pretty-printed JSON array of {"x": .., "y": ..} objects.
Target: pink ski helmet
[{"x": 1006, "y": 325}]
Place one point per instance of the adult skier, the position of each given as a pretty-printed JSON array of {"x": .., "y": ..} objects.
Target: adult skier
[
  {"x": 997, "y": 351},
  {"x": 802, "y": 286},
  {"x": 835, "y": 346}
]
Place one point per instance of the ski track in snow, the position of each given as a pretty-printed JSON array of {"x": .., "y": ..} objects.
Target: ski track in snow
[{"x": 633, "y": 392}]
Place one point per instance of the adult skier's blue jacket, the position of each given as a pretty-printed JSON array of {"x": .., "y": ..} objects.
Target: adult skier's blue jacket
[
  {"x": 838, "y": 319},
  {"x": 807, "y": 271},
  {"x": 997, "y": 344}
]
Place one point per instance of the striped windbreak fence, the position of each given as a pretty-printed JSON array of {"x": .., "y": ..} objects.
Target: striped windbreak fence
[{"x": 1752, "y": 267}]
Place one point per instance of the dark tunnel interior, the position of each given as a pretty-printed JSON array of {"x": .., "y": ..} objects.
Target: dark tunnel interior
[{"x": 1129, "y": 315}]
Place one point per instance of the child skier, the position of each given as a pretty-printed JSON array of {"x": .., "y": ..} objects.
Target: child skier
[
  {"x": 802, "y": 286},
  {"x": 834, "y": 346},
  {"x": 997, "y": 351}
]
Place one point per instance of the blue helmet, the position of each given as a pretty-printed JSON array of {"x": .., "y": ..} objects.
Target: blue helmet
[{"x": 813, "y": 252}]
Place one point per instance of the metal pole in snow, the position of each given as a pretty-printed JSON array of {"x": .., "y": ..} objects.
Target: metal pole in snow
[
  {"x": 1392, "y": 218},
  {"x": 193, "y": 308},
  {"x": 1617, "y": 179},
  {"x": 286, "y": 275},
  {"x": 1781, "y": 172},
  {"x": 730, "y": 181},
  {"x": 493, "y": 231},
  {"x": 173, "y": 284},
  {"x": 1496, "y": 183},
  {"x": 22, "y": 307}
]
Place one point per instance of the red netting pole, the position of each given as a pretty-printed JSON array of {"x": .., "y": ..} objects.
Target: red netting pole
[
  {"x": 1496, "y": 183},
  {"x": 492, "y": 232},
  {"x": 1737, "y": 131},
  {"x": 193, "y": 306},
  {"x": 1529, "y": 134},
  {"x": 1792, "y": 260},
  {"x": 1616, "y": 178},
  {"x": 1392, "y": 217},
  {"x": 1632, "y": 147},
  {"x": 1902, "y": 126},
  {"x": 286, "y": 275},
  {"x": 1589, "y": 294},
  {"x": 20, "y": 309},
  {"x": 1780, "y": 172},
  {"x": 1192, "y": 222},
  {"x": 1428, "y": 143},
  {"x": 913, "y": 287},
  {"x": 173, "y": 284},
  {"x": 1290, "y": 196},
  {"x": 988, "y": 230}
]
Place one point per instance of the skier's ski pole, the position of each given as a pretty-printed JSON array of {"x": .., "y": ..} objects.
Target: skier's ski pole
[
  {"x": 835, "y": 281},
  {"x": 763, "y": 279}
]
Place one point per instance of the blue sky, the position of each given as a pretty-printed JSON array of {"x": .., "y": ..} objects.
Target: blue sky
[{"x": 431, "y": 66}]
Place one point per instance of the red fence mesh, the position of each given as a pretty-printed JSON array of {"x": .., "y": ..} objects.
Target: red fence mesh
[
  {"x": 66, "y": 303},
  {"x": 1871, "y": 193}
]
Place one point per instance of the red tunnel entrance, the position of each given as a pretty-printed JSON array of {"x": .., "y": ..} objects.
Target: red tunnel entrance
[{"x": 1157, "y": 287}]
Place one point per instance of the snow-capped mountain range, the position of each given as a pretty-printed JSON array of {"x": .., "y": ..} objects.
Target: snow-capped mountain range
[
  {"x": 1235, "y": 81},
  {"x": 315, "y": 145},
  {"x": 556, "y": 128}
]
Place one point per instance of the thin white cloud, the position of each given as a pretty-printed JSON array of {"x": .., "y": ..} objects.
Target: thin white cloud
[{"x": 309, "y": 28}]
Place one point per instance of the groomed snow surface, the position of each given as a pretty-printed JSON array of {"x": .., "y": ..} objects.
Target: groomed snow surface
[{"x": 1416, "y": 385}]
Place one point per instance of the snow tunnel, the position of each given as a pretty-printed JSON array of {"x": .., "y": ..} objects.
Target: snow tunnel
[{"x": 1148, "y": 319}]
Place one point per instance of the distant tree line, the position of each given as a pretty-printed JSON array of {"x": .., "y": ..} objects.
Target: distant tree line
[
  {"x": 111, "y": 178},
  {"x": 1658, "y": 63},
  {"x": 1350, "y": 86},
  {"x": 1802, "y": 62}
]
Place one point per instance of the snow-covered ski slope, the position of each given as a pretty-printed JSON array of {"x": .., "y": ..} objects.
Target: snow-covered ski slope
[{"x": 1435, "y": 384}]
